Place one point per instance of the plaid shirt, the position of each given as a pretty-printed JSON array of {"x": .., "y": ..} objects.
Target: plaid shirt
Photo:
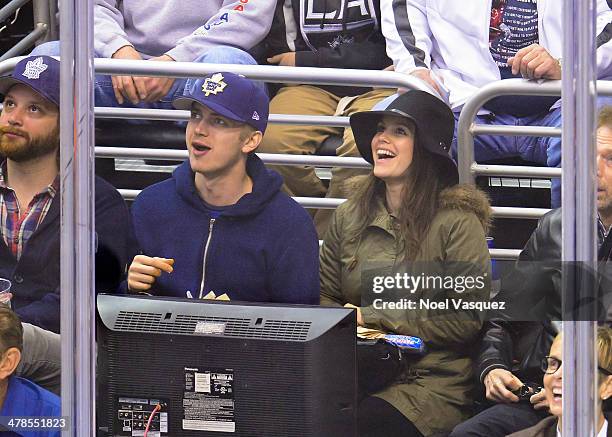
[{"x": 17, "y": 227}]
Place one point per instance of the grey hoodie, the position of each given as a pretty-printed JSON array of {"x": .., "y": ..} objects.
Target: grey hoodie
[{"x": 182, "y": 29}]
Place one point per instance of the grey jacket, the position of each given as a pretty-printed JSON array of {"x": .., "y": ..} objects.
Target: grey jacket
[{"x": 182, "y": 29}]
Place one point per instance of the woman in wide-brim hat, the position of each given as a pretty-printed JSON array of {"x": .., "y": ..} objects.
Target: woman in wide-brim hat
[{"x": 409, "y": 210}]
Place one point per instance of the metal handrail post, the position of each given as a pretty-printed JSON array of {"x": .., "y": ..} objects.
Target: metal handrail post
[
  {"x": 179, "y": 115},
  {"x": 77, "y": 218},
  {"x": 53, "y": 33},
  {"x": 579, "y": 246},
  {"x": 269, "y": 73},
  {"x": 10, "y": 8},
  {"x": 42, "y": 15},
  {"x": 40, "y": 29}
]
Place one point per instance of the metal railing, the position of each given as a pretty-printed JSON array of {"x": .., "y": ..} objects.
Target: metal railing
[
  {"x": 291, "y": 75},
  {"x": 179, "y": 115},
  {"x": 43, "y": 19},
  {"x": 333, "y": 203},
  {"x": 469, "y": 169}
]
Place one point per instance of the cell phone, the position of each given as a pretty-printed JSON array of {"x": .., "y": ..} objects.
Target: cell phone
[{"x": 526, "y": 391}]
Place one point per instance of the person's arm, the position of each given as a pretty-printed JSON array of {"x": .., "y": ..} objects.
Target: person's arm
[
  {"x": 41, "y": 358},
  {"x": 466, "y": 248},
  {"x": 409, "y": 39},
  {"x": 115, "y": 240},
  {"x": 525, "y": 287},
  {"x": 294, "y": 272},
  {"x": 407, "y": 34},
  {"x": 44, "y": 313},
  {"x": 331, "y": 267},
  {"x": 496, "y": 349},
  {"x": 237, "y": 23},
  {"x": 108, "y": 22},
  {"x": 535, "y": 61}
]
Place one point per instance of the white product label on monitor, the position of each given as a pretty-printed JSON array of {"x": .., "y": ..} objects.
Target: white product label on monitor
[
  {"x": 208, "y": 402},
  {"x": 209, "y": 328},
  {"x": 202, "y": 382}
]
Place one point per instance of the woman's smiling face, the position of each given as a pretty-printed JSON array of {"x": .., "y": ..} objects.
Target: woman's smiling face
[{"x": 393, "y": 148}]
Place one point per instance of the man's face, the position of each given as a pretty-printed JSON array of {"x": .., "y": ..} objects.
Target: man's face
[
  {"x": 604, "y": 171},
  {"x": 216, "y": 144},
  {"x": 553, "y": 382},
  {"x": 29, "y": 125}
]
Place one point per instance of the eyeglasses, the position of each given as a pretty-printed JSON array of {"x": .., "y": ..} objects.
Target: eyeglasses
[{"x": 551, "y": 364}]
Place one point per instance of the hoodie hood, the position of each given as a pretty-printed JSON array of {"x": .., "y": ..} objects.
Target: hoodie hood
[
  {"x": 467, "y": 198},
  {"x": 266, "y": 185}
]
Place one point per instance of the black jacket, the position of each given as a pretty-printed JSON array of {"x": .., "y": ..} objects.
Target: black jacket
[
  {"x": 533, "y": 292},
  {"x": 36, "y": 276},
  {"x": 331, "y": 34}
]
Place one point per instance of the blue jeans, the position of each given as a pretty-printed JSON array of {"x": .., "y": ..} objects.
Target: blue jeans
[
  {"x": 541, "y": 150},
  {"x": 103, "y": 86}
]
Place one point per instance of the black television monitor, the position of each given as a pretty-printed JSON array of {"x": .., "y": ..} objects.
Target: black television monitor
[{"x": 224, "y": 368}]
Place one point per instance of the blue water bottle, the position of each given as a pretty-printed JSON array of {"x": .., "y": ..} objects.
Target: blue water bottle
[{"x": 495, "y": 275}]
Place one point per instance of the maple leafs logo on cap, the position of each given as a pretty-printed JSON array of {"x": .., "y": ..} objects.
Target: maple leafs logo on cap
[
  {"x": 34, "y": 68},
  {"x": 213, "y": 84}
]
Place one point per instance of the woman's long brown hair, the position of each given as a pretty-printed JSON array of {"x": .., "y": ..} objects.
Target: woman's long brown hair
[{"x": 419, "y": 201}]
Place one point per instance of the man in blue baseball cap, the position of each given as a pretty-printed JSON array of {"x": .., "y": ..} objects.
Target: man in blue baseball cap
[
  {"x": 29, "y": 200},
  {"x": 221, "y": 223}
]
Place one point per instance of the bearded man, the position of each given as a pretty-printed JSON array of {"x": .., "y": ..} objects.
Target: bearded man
[{"x": 30, "y": 200}]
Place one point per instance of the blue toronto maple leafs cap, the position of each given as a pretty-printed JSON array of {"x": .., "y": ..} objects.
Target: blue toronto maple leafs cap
[
  {"x": 41, "y": 73},
  {"x": 228, "y": 94}
]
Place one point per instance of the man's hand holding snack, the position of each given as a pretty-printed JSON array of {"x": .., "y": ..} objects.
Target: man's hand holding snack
[{"x": 145, "y": 270}]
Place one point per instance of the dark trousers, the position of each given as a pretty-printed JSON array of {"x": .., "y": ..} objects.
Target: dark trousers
[
  {"x": 378, "y": 418},
  {"x": 499, "y": 421}
]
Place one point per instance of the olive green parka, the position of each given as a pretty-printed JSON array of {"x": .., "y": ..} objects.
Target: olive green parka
[{"x": 434, "y": 392}]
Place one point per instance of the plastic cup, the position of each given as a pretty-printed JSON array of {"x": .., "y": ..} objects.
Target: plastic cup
[{"x": 5, "y": 295}]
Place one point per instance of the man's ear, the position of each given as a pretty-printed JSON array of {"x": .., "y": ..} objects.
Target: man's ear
[
  {"x": 9, "y": 362},
  {"x": 252, "y": 141},
  {"x": 605, "y": 388}
]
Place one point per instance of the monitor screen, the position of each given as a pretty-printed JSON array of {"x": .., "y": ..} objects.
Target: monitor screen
[{"x": 188, "y": 367}]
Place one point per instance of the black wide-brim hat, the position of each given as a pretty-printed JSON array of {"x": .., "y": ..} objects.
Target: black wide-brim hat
[{"x": 434, "y": 128}]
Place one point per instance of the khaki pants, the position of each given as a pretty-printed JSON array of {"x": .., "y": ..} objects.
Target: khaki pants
[{"x": 305, "y": 140}]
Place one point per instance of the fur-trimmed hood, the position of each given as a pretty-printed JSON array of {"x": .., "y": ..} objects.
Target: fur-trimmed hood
[{"x": 464, "y": 197}]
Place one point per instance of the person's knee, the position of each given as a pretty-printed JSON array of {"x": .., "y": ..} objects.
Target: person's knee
[
  {"x": 226, "y": 55},
  {"x": 50, "y": 48}
]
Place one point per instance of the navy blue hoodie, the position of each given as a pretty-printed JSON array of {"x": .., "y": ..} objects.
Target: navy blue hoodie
[{"x": 264, "y": 248}]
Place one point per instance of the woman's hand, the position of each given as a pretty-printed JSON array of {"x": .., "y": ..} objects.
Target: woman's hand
[
  {"x": 359, "y": 317},
  {"x": 499, "y": 384},
  {"x": 145, "y": 270}
]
